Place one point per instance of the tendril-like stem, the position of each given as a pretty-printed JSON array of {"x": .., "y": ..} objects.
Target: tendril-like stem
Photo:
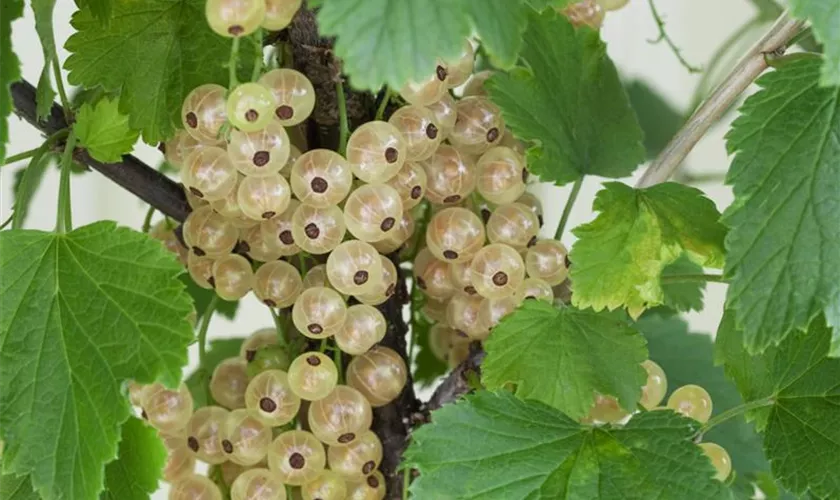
[
  {"x": 567, "y": 210},
  {"x": 380, "y": 112},
  {"x": 663, "y": 37},
  {"x": 233, "y": 62},
  {"x": 202, "y": 341},
  {"x": 734, "y": 412}
]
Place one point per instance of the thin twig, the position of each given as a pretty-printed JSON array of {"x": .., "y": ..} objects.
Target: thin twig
[
  {"x": 744, "y": 73},
  {"x": 663, "y": 37}
]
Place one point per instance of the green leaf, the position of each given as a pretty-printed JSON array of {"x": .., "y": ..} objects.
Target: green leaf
[
  {"x": 686, "y": 295},
  {"x": 492, "y": 446},
  {"x": 427, "y": 366},
  {"x": 785, "y": 230},
  {"x": 137, "y": 470},
  {"x": 688, "y": 358},
  {"x": 501, "y": 24},
  {"x": 166, "y": 49},
  {"x": 100, "y": 8},
  {"x": 824, "y": 16},
  {"x": 104, "y": 131},
  {"x": 30, "y": 180},
  {"x": 540, "y": 5},
  {"x": 800, "y": 431},
  {"x": 619, "y": 257},
  {"x": 562, "y": 356},
  {"x": 17, "y": 488},
  {"x": 657, "y": 117},
  {"x": 82, "y": 313},
  {"x": 569, "y": 103},
  {"x": 202, "y": 297},
  {"x": 396, "y": 41},
  {"x": 393, "y": 41},
  {"x": 218, "y": 350},
  {"x": 45, "y": 95},
  {"x": 9, "y": 66}
]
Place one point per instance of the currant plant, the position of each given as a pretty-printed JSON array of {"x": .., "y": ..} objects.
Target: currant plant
[{"x": 363, "y": 170}]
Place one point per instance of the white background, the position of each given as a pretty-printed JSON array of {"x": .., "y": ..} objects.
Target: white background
[{"x": 698, "y": 27}]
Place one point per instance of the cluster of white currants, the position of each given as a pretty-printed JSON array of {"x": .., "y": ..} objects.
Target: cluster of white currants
[{"x": 690, "y": 400}]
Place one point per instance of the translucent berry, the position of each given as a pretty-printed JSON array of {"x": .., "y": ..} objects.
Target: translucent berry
[
  {"x": 354, "y": 267},
  {"x": 262, "y": 152},
  {"x": 233, "y": 277},
  {"x": 514, "y": 225},
  {"x": 427, "y": 91},
  {"x": 294, "y": 95},
  {"x": 451, "y": 176},
  {"x": 535, "y": 288},
  {"x": 321, "y": 178},
  {"x": 376, "y": 151},
  {"x": 432, "y": 276},
  {"x": 612, "y": 4},
  {"x": 168, "y": 410},
  {"x": 475, "y": 85},
  {"x": 534, "y": 204},
  {"x": 316, "y": 277},
  {"x": 250, "y": 106},
  {"x": 435, "y": 310},
  {"x": 201, "y": 270},
  {"x": 208, "y": 173},
  {"x": 177, "y": 149},
  {"x": 180, "y": 461},
  {"x": 460, "y": 275},
  {"x": 244, "y": 437},
  {"x": 228, "y": 207},
  {"x": 257, "y": 247},
  {"x": 372, "y": 211},
  {"x": 417, "y": 126},
  {"x": 607, "y": 410},
  {"x": 194, "y": 487},
  {"x": 229, "y": 381},
  {"x": 719, "y": 458},
  {"x": 202, "y": 434},
  {"x": 379, "y": 374},
  {"x": 445, "y": 114},
  {"x": 501, "y": 175},
  {"x": 208, "y": 233},
  {"x": 279, "y": 230},
  {"x": 277, "y": 284},
  {"x": 463, "y": 314},
  {"x": 459, "y": 353},
  {"x": 319, "y": 312},
  {"x": 328, "y": 486},
  {"x": 510, "y": 141},
  {"x": 692, "y": 401},
  {"x": 357, "y": 460},
  {"x": 383, "y": 289},
  {"x": 410, "y": 182},
  {"x": 441, "y": 340},
  {"x": 372, "y": 488},
  {"x": 497, "y": 271},
  {"x": 479, "y": 125},
  {"x": 460, "y": 68},
  {"x": 268, "y": 358},
  {"x": 230, "y": 471},
  {"x": 269, "y": 397},
  {"x": 203, "y": 113},
  {"x": 492, "y": 311},
  {"x": 547, "y": 260},
  {"x": 258, "y": 484},
  {"x": 398, "y": 236},
  {"x": 264, "y": 337},
  {"x": 297, "y": 457},
  {"x": 164, "y": 232},
  {"x": 455, "y": 235},
  {"x": 294, "y": 155},
  {"x": 318, "y": 230},
  {"x": 137, "y": 393},
  {"x": 279, "y": 13},
  {"x": 656, "y": 386},
  {"x": 364, "y": 327},
  {"x": 262, "y": 198},
  {"x": 312, "y": 376},
  {"x": 585, "y": 13},
  {"x": 194, "y": 201},
  {"x": 341, "y": 417}
]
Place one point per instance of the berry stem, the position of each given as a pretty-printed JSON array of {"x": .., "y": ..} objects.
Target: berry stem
[
  {"x": 147, "y": 221},
  {"x": 682, "y": 278},
  {"x": 59, "y": 83},
  {"x": 281, "y": 331},
  {"x": 338, "y": 360},
  {"x": 567, "y": 210},
  {"x": 232, "y": 63},
  {"x": 22, "y": 156},
  {"x": 741, "y": 77},
  {"x": 734, "y": 412},
  {"x": 259, "y": 59},
  {"x": 406, "y": 482},
  {"x": 202, "y": 342},
  {"x": 380, "y": 112},
  {"x": 344, "y": 128},
  {"x": 64, "y": 215}
]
